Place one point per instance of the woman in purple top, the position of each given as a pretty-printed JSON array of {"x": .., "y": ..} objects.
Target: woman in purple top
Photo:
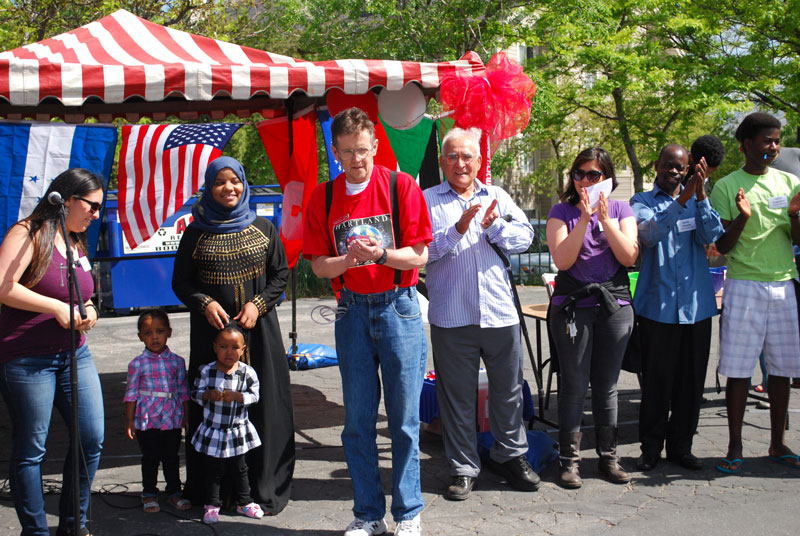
[
  {"x": 36, "y": 342},
  {"x": 591, "y": 317}
]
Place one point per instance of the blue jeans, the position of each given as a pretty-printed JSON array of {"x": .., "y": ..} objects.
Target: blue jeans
[
  {"x": 382, "y": 330},
  {"x": 31, "y": 386}
]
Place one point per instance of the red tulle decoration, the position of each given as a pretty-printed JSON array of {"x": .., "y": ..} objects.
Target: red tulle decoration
[{"x": 499, "y": 103}]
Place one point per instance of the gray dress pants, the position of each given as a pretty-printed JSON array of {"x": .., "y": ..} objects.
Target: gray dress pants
[{"x": 457, "y": 353}]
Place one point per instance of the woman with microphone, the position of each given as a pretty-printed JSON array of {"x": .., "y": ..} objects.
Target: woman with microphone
[{"x": 36, "y": 342}]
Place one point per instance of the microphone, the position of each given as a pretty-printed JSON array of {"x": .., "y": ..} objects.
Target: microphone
[
  {"x": 54, "y": 198},
  {"x": 507, "y": 217}
]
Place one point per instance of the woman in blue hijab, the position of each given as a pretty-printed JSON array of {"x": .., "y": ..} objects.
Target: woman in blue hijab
[{"x": 231, "y": 265}]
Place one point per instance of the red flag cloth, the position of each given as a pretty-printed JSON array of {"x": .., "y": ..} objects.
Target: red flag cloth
[
  {"x": 160, "y": 168},
  {"x": 296, "y": 172},
  {"x": 337, "y": 100}
]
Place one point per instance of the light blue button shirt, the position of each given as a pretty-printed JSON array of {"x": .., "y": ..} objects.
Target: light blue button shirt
[
  {"x": 674, "y": 285},
  {"x": 467, "y": 282}
]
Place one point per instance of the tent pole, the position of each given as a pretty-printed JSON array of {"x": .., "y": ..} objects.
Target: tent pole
[{"x": 293, "y": 333}]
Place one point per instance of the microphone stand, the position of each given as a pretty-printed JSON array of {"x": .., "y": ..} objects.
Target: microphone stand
[{"x": 75, "y": 442}]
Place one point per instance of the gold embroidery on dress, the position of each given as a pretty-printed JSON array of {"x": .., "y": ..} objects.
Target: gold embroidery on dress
[{"x": 231, "y": 259}]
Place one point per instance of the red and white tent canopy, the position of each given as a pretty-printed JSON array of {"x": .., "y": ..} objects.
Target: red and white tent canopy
[{"x": 122, "y": 58}]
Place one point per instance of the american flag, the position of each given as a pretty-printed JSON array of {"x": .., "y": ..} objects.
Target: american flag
[{"x": 161, "y": 166}]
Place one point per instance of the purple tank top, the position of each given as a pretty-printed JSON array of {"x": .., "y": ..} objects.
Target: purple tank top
[
  {"x": 25, "y": 333},
  {"x": 596, "y": 262}
]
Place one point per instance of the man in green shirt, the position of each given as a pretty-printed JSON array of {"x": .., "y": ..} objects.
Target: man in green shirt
[{"x": 760, "y": 209}]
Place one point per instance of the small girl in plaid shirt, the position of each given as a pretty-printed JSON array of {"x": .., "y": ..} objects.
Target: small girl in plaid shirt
[
  {"x": 225, "y": 388},
  {"x": 156, "y": 401}
]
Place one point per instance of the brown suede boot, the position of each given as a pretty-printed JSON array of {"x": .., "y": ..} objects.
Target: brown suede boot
[
  {"x": 568, "y": 460},
  {"x": 608, "y": 464}
]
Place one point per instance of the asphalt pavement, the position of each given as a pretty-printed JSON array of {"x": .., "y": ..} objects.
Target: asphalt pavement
[{"x": 762, "y": 500}]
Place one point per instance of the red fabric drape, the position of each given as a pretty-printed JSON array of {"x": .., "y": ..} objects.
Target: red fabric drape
[{"x": 296, "y": 172}]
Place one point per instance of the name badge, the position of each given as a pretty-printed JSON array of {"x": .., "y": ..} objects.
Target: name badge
[
  {"x": 613, "y": 221},
  {"x": 688, "y": 224},
  {"x": 84, "y": 262},
  {"x": 779, "y": 201}
]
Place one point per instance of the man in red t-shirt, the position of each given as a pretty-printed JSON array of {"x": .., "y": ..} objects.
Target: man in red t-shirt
[{"x": 350, "y": 238}]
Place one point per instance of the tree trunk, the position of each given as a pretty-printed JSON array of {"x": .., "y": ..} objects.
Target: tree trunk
[{"x": 630, "y": 150}]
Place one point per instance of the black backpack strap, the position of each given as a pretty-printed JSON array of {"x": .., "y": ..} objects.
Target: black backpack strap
[
  {"x": 328, "y": 203},
  {"x": 395, "y": 220}
]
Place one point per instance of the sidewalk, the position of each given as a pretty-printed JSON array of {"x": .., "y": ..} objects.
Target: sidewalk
[{"x": 762, "y": 500}]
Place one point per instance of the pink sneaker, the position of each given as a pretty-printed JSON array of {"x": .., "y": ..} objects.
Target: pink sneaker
[
  {"x": 211, "y": 515},
  {"x": 251, "y": 510}
]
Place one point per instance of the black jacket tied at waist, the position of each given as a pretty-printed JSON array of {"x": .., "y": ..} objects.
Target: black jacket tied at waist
[{"x": 607, "y": 293}]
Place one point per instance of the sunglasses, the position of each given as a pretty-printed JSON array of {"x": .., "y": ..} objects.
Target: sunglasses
[
  {"x": 94, "y": 206},
  {"x": 592, "y": 176}
]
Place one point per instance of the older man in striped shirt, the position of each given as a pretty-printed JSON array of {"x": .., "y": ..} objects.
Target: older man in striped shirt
[{"x": 472, "y": 316}]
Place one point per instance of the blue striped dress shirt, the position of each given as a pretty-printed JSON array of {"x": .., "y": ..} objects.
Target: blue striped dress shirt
[
  {"x": 467, "y": 282},
  {"x": 674, "y": 285}
]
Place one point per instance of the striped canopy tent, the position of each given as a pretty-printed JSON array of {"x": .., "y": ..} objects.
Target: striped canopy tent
[{"x": 125, "y": 66}]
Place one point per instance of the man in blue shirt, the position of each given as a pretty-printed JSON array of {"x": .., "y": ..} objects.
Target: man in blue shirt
[
  {"x": 674, "y": 302},
  {"x": 472, "y": 315}
]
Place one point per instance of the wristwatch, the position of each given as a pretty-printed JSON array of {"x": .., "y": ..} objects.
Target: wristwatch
[
  {"x": 794, "y": 215},
  {"x": 382, "y": 258}
]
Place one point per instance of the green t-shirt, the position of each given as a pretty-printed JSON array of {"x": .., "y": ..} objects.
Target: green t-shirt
[{"x": 764, "y": 250}]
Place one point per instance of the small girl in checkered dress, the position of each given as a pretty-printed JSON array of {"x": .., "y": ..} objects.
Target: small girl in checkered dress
[
  {"x": 225, "y": 388},
  {"x": 156, "y": 400}
]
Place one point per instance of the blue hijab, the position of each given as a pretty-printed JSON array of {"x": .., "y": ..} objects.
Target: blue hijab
[{"x": 209, "y": 216}]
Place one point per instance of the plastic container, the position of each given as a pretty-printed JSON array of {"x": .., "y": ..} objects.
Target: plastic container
[
  {"x": 634, "y": 278},
  {"x": 718, "y": 277}
]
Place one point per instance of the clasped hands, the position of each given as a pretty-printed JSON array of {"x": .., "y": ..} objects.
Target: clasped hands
[
  {"x": 223, "y": 396},
  {"x": 363, "y": 250}
]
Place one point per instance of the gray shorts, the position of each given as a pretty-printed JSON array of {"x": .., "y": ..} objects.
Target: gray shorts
[{"x": 759, "y": 316}]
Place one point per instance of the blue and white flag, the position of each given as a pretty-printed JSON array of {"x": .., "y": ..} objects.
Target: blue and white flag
[
  {"x": 33, "y": 154},
  {"x": 325, "y": 121}
]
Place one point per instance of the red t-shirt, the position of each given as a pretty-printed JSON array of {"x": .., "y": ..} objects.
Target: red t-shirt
[{"x": 367, "y": 214}]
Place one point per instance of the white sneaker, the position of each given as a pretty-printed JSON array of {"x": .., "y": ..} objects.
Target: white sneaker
[
  {"x": 409, "y": 527},
  {"x": 359, "y": 527}
]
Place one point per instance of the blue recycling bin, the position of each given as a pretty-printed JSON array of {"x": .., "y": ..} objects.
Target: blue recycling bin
[{"x": 143, "y": 277}]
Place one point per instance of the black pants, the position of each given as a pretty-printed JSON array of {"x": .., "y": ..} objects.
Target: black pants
[
  {"x": 160, "y": 446},
  {"x": 236, "y": 469},
  {"x": 674, "y": 362}
]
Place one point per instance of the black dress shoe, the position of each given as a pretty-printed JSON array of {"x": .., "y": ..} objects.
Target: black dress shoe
[
  {"x": 645, "y": 462},
  {"x": 518, "y": 473},
  {"x": 687, "y": 461},
  {"x": 460, "y": 488}
]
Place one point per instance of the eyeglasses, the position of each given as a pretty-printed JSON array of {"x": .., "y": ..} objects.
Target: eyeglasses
[
  {"x": 592, "y": 176},
  {"x": 94, "y": 206},
  {"x": 453, "y": 158},
  {"x": 345, "y": 155}
]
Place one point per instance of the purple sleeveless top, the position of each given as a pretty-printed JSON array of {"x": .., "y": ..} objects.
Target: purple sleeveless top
[
  {"x": 596, "y": 262},
  {"x": 25, "y": 333}
]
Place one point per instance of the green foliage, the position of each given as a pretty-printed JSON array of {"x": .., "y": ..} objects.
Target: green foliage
[
  {"x": 23, "y": 22},
  {"x": 415, "y": 30},
  {"x": 614, "y": 61},
  {"x": 308, "y": 284},
  {"x": 749, "y": 50}
]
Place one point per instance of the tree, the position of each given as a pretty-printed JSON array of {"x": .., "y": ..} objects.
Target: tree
[
  {"x": 614, "y": 60},
  {"x": 414, "y": 30},
  {"x": 26, "y": 21},
  {"x": 750, "y": 50}
]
